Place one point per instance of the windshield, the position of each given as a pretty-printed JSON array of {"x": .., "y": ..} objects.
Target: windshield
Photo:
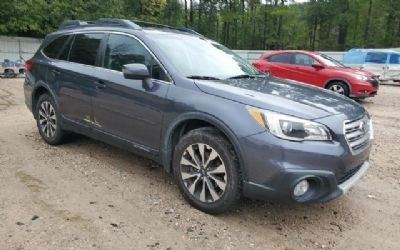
[
  {"x": 329, "y": 61},
  {"x": 197, "y": 57}
]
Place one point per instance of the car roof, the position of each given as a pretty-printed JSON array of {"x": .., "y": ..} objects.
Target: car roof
[{"x": 275, "y": 52}]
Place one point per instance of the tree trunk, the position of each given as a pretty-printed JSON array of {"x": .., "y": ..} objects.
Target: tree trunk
[
  {"x": 366, "y": 30},
  {"x": 186, "y": 14}
]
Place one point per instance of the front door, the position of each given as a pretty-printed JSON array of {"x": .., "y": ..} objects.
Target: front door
[{"x": 125, "y": 108}]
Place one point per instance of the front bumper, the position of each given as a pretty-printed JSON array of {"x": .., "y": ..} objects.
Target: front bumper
[
  {"x": 273, "y": 169},
  {"x": 361, "y": 89},
  {"x": 348, "y": 184}
]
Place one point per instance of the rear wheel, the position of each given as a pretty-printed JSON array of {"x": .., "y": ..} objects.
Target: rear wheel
[
  {"x": 339, "y": 87},
  {"x": 47, "y": 119},
  {"x": 207, "y": 171}
]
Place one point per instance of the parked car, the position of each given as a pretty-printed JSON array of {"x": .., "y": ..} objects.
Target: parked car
[
  {"x": 11, "y": 69},
  {"x": 385, "y": 63},
  {"x": 8, "y": 68},
  {"x": 319, "y": 70},
  {"x": 206, "y": 115}
]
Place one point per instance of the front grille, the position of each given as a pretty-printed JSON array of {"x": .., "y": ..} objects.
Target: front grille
[
  {"x": 348, "y": 174},
  {"x": 358, "y": 134}
]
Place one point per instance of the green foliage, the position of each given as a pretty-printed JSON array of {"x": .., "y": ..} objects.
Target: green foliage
[{"x": 239, "y": 24}]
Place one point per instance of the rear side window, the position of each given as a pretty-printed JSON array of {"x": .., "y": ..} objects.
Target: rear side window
[
  {"x": 121, "y": 50},
  {"x": 376, "y": 57},
  {"x": 280, "y": 58},
  {"x": 53, "y": 49},
  {"x": 65, "y": 50},
  {"x": 85, "y": 48}
]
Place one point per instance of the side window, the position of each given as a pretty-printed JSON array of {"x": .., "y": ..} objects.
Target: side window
[
  {"x": 53, "y": 49},
  {"x": 376, "y": 57},
  {"x": 85, "y": 48},
  {"x": 123, "y": 50},
  {"x": 394, "y": 59},
  {"x": 280, "y": 58},
  {"x": 66, "y": 49},
  {"x": 302, "y": 59}
]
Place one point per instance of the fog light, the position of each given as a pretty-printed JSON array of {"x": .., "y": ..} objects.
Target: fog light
[{"x": 301, "y": 188}]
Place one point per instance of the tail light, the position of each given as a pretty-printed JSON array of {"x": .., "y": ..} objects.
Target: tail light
[{"x": 28, "y": 65}]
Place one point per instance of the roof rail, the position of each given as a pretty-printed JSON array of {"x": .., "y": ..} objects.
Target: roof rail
[
  {"x": 184, "y": 29},
  {"x": 71, "y": 24},
  {"x": 105, "y": 22},
  {"x": 156, "y": 25},
  {"x": 113, "y": 22}
]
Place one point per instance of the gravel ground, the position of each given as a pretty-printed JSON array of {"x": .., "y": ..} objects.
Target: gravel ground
[{"x": 88, "y": 195}]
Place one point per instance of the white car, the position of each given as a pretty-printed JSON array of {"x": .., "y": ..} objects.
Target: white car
[
  {"x": 9, "y": 69},
  {"x": 382, "y": 62}
]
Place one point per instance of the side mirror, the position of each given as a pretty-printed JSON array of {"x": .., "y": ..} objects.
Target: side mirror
[
  {"x": 317, "y": 66},
  {"x": 135, "y": 71}
]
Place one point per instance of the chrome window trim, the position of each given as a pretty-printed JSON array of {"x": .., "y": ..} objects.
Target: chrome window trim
[{"x": 116, "y": 33}]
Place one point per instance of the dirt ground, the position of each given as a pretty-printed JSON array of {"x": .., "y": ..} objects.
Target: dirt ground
[{"x": 88, "y": 195}]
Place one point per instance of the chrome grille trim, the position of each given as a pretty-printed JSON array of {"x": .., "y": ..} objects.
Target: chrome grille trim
[{"x": 358, "y": 133}]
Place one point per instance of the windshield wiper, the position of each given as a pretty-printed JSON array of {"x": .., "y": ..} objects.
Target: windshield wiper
[
  {"x": 203, "y": 77},
  {"x": 246, "y": 76}
]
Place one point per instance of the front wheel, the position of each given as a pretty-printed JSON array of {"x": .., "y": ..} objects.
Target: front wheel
[
  {"x": 207, "y": 171},
  {"x": 339, "y": 87}
]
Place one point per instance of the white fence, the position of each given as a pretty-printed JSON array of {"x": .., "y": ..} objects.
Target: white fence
[{"x": 14, "y": 48}]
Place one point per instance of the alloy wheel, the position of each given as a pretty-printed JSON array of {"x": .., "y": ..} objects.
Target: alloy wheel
[
  {"x": 47, "y": 119},
  {"x": 337, "y": 88},
  {"x": 203, "y": 172}
]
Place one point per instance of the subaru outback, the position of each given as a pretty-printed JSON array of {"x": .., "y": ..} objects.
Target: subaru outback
[{"x": 221, "y": 127}]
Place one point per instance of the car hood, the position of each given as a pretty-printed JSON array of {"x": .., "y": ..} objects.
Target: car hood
[
  {"x": 354, "y": 71},
  {"x": 283, "y": 96}
]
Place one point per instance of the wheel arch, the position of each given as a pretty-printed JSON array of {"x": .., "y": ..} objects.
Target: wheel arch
[
  {"x": 188, "y": 122},
  {"x": 329, "y": 81},
  {"x": 39, "y": 90}
]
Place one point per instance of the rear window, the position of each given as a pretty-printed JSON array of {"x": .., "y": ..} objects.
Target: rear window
[
  {"x": 53, "y": 49},
  {"x": 280, "y": 58},
  {"x": 85, "y": 48},
  {"x": 376, "y": 57}
]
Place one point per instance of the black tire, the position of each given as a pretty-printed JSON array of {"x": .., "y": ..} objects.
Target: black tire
[
  {"x": 57, "y": 135},
  {"x": 214, "y": 141},
  {"x": 339, "y": 87},
  {"x": 8, "y": 73}
]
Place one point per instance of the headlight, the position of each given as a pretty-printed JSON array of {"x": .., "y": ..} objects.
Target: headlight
[
  {"x": 361, "y": 77},
  {"x": 289, "y": 127}
]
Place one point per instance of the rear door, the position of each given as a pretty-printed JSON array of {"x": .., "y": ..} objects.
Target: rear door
[
  {"x": 125, "y": 108},
  {"x": 280, "y": 65},
  {"x": 75, "y": 77},
  {"x": 393, "y": 68}
]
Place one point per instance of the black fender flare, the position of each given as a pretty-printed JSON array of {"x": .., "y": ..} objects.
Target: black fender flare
[
  {"x": 38, "y": 86},
  {"x": 167, "y": 150}
]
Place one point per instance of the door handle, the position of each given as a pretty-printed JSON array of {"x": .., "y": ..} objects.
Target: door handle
[
  {"x": 55, "y": 72},
  {"x": 100, "y": 84}
]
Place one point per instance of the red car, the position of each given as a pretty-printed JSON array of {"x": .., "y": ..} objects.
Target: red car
[{"x": 319, "y": 70}]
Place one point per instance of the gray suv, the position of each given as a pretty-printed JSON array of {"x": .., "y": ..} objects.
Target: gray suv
[{"x": 223, "y": 129}]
